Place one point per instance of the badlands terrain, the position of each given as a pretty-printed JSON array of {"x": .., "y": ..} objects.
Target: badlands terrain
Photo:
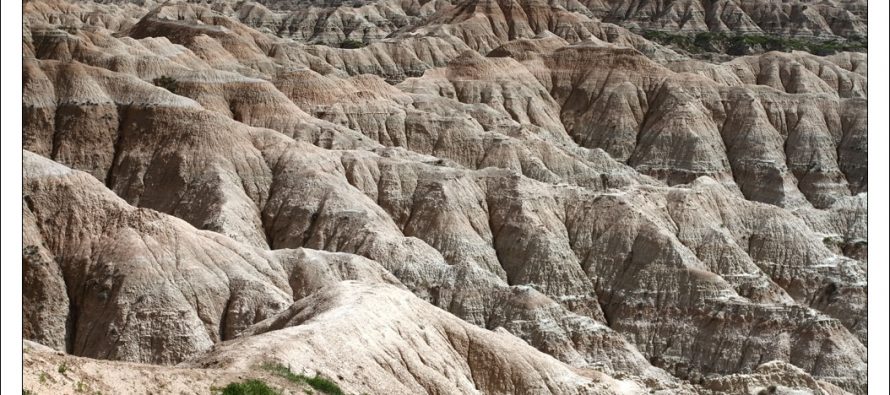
[{"x": 445, "y": 196}]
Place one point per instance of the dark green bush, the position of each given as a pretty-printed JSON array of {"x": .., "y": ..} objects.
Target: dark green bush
[
  {"x": 351, "y": 44},
  {"x": 319, "y": 383},
  {"x": 414, "y": 73},
  {"x": 706, "y": 41},
  {"x": 30, "y": 251},
  {"x": 249, "y": 387},
  {"x": 324, "y": 385},
  {"x": 772, "y": 389},
  {"x": 168, "y": 83}
]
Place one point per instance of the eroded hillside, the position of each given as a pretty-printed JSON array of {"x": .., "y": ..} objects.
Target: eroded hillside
[{"x": 505, "y": 197}]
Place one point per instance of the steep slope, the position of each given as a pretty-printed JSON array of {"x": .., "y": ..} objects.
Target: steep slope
[
  {"x": 398, "y": 344},
  {"x": 797, "y": 18},
  {"x": 518, "y": 166},
  {"x": 785, "y": 149},
  {"x": 105, "y": 255},
  {"x": 210, "y": 287}
]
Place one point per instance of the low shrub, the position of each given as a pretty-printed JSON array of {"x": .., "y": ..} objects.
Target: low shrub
[
  {"x": 249, "y": 387},
  {"x": 351, "y": 44},
  {"x": 324, "y": 385},
  {"x": 168, "y": 83},
  {"x": 317, "y": 382},
  {"x": 772, "y": 389}
]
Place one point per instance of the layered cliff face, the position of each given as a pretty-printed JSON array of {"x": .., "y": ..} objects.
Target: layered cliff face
[
  {"x": 485, "y": 196},
  {"x": 795, "y": 18}
]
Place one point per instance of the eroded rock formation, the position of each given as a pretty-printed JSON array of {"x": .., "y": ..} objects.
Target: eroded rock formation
[{"x": 479, "y": 196}]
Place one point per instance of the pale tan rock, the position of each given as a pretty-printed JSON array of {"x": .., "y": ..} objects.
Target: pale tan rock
[
  {"x": 390, "y": 341},
  {"x": 799, "y": 18},
  {"x": 41, "y": 375},
  {"x": 679, "y": 126},
  {"x": 782, "y": 378},
  {"x": 520, "y": 165}
]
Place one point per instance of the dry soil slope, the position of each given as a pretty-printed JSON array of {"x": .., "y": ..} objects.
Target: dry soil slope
[
  {"x": 206, "y": 288},
  {"x": 530, "y": 247}
]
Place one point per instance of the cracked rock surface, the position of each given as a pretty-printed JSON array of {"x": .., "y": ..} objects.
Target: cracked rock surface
[{"x": 447, "y": 196}]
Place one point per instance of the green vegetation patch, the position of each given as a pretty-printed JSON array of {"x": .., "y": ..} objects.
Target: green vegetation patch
[
  {"x": 351, "y": 44},
  {"x": 324, "y": 385},
  {"x": 249, "y": 387},
  {"x": 317, "y": 382},
  {"x": 772, "y": 389},
  {"x": 744, "y": 44},
  {"x": 168, "y": 83}
]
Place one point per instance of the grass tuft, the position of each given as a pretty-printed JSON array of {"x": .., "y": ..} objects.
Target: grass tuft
[
  {"x": 249, "y": 387},
  {"x": 351, "y": 44},
  {"x": 317, "y": 382},
  {"x": 324, "y": 385}
]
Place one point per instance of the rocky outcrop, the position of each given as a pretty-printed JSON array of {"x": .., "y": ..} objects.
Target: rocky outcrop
[
  {"x": 771, "y": 377},
  {"x": 142, "y": 286},
  {"x": 210, "y": 288},
  {"x": 396, "y": 343},
  {"x": 795, "y": 18},
  {"x": 502, "y": 197},
  {"x": 680, "y": 126}
]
